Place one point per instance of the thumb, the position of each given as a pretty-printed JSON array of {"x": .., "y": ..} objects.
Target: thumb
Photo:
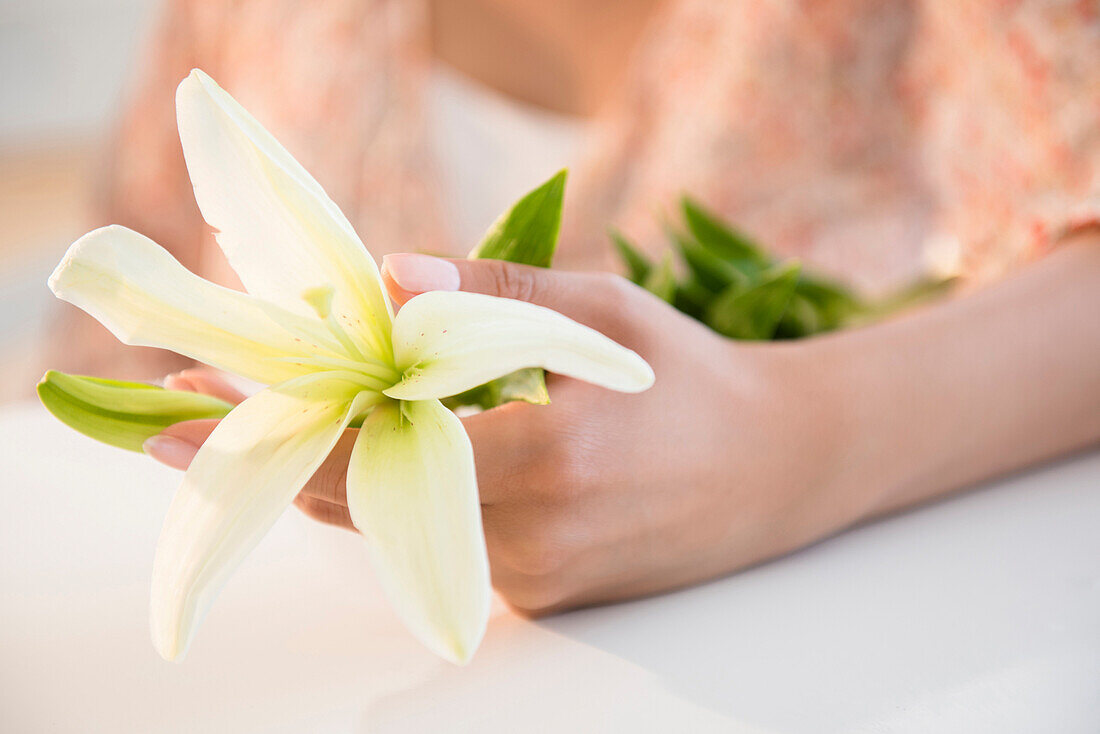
[{"x": 584, "y": 297}]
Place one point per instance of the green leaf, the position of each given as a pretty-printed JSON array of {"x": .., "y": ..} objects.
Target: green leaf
[
  {"x": 720, "y": 238},
  {"x": 122, "y": 414},
  {"x": 638, "y": 266},
  {"x": 755, "y": 312},
  {"x": 801, "y": 319},
  {"x": 919, "y": 291},
  {"x": 693, "y": 298},
  {"x": 528, "y": 232},
  {"x": 528, "y": 385},
  {"x": 710, "y": 270},
  {"x": 835, "y": 305},
  {"x": 661, "y": 281},
  {"x": 735, "y": 286}
]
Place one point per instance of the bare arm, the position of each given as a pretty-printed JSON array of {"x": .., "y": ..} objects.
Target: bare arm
[{"x": 990, "y": 383}]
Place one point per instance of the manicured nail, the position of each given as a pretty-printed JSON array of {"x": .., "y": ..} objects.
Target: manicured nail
[
  {"x": 419, "y": 273},
  {"x": 170, "y": 450},
  {"x": 179, "y": 381}
]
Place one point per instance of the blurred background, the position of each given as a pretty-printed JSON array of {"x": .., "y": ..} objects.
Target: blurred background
[
  {"x": 63, "y": 68},
  {"x": 979, "y": 611}
]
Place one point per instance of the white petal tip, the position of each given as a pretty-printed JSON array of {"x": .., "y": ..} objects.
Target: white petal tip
[
  {"x": 461, "y": 657},
  {"x": 197, "y": 82},
  {"x": 169, "y": 640},
  {"x": 642, "y": 378},
  {"x": 169, "y": 647},
  {"x": 95, "y": 238},
  {"x": 171, "y": 624},
  {"x": 456, "y": 651},
  {"x": 171, "y": 654},
  {"x": 55, "y": 281},
  {"x": 197, "y": 76}
]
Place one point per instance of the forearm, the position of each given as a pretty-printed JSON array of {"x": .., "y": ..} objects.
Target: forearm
[{"x": 961, "y": 392}]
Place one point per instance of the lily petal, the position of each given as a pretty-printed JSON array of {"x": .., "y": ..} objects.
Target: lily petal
[
  {"x": 412, "y": 493},
  {"x": 282, "y": 234},
  {"x": 449, "y": 342},
  {"x": 135, "y": 288},
  {"x": 242, "y": 479}
]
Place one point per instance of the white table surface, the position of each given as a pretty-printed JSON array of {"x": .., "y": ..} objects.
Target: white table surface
[{"x": 978, "y": 614}]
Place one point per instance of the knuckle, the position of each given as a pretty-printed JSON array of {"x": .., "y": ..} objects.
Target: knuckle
[
  {"x": 532, "y": 596},
  {"x": 618, "y": 300},
  {"x": 308, "y": 506},
  {"x": 541, "y": 558},
  {"x": 329, "y": 481},
  {"x": 515, "y": 282},
  {"x": 616, "y": 285},
  {"x": 323, "y": 512},
  {"x": 566, "y": 462},
  {"x": 541, "y": 552},
  {"x": 616, "y": 289}
]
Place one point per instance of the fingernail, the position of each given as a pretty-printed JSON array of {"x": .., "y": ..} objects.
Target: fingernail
[
  {"x": 419, "y": 273},
  {"x": 170, "y": 450},
  {"x": 179, "y": 381}
]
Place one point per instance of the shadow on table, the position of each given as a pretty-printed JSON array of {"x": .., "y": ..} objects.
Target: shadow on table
[
  {"x": 988, "y": 594},
  {"x": 526, "y": 678}
]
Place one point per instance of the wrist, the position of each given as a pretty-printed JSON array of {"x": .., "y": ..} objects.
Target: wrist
[
  {"x": 817, "y": 416},
  {"x": 897, "y": 406},
  {"x": 849, "y": 403}
]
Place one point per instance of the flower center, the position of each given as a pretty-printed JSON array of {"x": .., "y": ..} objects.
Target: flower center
[{"x": 320, "y": 300}]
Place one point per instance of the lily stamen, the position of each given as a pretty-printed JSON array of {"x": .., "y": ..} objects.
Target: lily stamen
[
  {"x": 320, "y": 300},
  {"x": 380, "y": 376}
]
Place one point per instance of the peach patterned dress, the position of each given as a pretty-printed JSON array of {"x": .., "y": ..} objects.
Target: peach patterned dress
[{"x": 857, "y": 134}]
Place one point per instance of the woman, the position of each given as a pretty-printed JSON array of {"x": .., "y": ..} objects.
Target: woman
[{"x": 857, "y": 135}]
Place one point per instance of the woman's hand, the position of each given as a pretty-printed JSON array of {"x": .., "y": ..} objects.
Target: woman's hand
[
  {"x": 600, "y": 495},
  {"x": 740, "y": 451}
]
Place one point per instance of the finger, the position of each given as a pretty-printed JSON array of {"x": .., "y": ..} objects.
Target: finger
[
  {"x": 326, "y": 512},
  {"x": 329, "y": 482},
  {"x": 177, "y": 381},
  {"x": 170, "y": 451},
  {"x": 324, "y": 498},
  {"x": 177, "y": 444},
  {"x": 408, "y": 274},
  {"x": 584, "y": 297},
  {"x": 506, "y": 442},
  {"x": 205, "y": 381},
  {"x": 397, "y": 294}
]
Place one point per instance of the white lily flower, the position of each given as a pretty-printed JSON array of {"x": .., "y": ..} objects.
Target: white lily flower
[{"x": 318, "y": 328}]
